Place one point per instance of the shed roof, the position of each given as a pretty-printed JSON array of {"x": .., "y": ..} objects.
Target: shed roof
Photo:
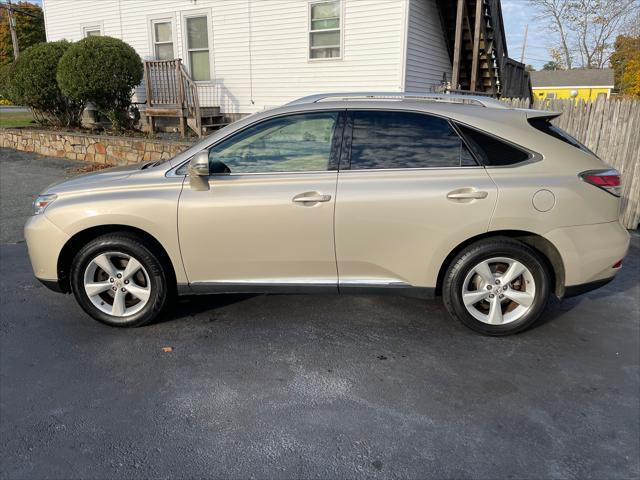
[{"x": 573, "y": 78}]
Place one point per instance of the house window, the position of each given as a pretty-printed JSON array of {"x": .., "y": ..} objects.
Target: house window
[
  {"x": 91, "y": 31},
  {"x": 163, "y": 40},
  {"x": 324, "y": 30},
  {"x": 198, "y": 47}
]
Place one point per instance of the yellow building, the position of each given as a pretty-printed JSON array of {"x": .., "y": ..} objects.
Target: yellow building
[{"x": 580, "y": 83}]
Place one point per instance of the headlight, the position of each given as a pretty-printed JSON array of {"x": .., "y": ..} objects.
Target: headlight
[{"x": 42, "y": 202}]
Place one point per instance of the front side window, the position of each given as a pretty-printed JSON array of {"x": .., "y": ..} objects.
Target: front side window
[
  {"x": 324, "y": 30},
  {"x": 296, "y": 143},
  {"x": 163, "y": 40},
  {"x": 198, "y": 47},
  {"x": 405, "y": 140}
]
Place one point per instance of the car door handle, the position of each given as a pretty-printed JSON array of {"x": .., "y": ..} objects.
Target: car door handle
[
  {"x": 311, "y": 197},
  {"x": 467, "y": 194}
]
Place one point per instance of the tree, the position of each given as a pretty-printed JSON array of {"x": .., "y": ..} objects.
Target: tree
[
  {"x": 585, "y": 29},
  {"x": 554, "y": 12},
  {"x": 102, "y": 70},
  {"x": 530, "y": 68},
  {"x": 29, "y": 27},
  {"x": 552, "y": 65},
  {"x": 595, "y": 24},
  {"x": 625, "y": 62}
]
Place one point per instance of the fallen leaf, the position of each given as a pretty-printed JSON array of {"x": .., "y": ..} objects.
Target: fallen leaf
[{"x": 167, "y": 349}]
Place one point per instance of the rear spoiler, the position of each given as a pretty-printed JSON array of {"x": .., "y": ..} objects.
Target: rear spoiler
[{"x": 540, "y": 113}]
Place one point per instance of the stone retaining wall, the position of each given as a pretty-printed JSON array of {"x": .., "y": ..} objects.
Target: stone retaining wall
[{"x": 90, "y": 148}]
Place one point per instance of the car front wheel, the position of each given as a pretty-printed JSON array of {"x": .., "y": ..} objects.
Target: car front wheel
[
  {"x": 497, "y": 286},
  {"x": 119, "y": 281}
]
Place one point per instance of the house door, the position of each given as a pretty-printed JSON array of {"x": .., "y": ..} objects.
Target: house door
[{"x": 197, "y": 46}]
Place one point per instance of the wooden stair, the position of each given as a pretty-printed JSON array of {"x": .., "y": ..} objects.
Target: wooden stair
[{"x": 172, "y": 93}]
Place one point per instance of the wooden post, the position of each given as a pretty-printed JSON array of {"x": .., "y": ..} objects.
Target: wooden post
[
  {"x": 457, "y": 46},
  {"x": 181, "y": 102},
  {"x": 476, "y": 46},
  {"x": 147, "y": 86}
]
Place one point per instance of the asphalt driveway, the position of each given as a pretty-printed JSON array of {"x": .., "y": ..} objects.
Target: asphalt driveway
[{"x": 308, "y": 386}]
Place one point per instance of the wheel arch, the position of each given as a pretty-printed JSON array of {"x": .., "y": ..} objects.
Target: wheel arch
[
  {"x": 544, "y": 247},
  {"x": 81, "y": 238}
]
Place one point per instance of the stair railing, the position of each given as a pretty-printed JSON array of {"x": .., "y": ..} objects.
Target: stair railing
[{"x": 169, "y": 85}]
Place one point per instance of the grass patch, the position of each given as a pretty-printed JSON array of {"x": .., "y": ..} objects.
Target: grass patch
[{"x": 15, "y": 119}]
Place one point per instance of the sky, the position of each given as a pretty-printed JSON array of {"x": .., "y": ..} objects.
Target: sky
[{"x": 516, "y": 14}]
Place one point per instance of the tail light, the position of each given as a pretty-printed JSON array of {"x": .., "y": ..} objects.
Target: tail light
[{"x": 608, "y": 180}]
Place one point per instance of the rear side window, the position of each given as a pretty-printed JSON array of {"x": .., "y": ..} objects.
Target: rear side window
[
  {"x": 545, "y": 126},
  {"x": 492, "y": 151},
  {"x": 383, "y": 140}
]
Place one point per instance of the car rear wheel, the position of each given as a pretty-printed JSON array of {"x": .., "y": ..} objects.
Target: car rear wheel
[
  {"x": 497, "y": 286},
  {"x": 119, "y": 281}
]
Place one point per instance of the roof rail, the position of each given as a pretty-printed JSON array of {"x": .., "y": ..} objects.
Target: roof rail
[{"x": 428, "y": 97}]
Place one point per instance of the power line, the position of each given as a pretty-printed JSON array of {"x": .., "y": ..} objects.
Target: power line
[{"x": 19, "y": 10}]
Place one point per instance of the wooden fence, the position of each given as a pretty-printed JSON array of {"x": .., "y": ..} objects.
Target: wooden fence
[{"x": 611, "y": 129}]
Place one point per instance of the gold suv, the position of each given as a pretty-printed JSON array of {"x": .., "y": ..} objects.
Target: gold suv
[{"x": 492, "y": 208}]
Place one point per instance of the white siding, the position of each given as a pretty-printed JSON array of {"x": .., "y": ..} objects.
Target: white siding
[
  {"x": 259, "y": 56},
  {"x": 427, "y": 57}
]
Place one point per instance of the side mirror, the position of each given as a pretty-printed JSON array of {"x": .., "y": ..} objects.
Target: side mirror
[
  {"x": 199, "y": 165},
  {"x": 198, "y": 171}
]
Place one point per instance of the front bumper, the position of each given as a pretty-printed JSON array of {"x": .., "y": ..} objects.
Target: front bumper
[
  {"x": 589, "y": 253},
  {"x": 44, "y": 242}
]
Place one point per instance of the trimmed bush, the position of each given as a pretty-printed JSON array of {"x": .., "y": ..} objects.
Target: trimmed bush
[
  {"x": 33, "y": 83},
  {"x": 102, "y": 70}
]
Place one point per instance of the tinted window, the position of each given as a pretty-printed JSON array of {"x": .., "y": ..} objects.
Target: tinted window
[
  {"x": 492, "y": 151},
  {"x": 545, "y": 126},
  {"x": 405, "y": 140},
  {"x": 297, "y": 143}
]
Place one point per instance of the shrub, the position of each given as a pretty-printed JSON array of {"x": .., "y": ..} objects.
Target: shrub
[
  {"x": 102, "y": 70},
  {"x": 6, "y": 75},
  {"x": 33, "y": 83}
]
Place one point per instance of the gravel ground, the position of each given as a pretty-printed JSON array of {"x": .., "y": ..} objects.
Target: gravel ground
[{"x": 309, "y": 386}]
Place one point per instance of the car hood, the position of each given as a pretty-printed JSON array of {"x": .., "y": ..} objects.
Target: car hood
[{"x": 102, "y": 178}]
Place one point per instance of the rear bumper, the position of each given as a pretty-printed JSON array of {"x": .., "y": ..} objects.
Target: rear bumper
[
  {"x": 589, "y": 252},
  {"x": 576, "y": 290}
]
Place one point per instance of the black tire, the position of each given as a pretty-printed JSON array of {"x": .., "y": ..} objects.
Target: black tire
[
  {"x": 134, "y": 246},
  {"x": 471, "y": 256}
]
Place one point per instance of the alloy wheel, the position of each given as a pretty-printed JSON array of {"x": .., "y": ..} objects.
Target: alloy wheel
[
  {"x": 498, "y": 291},
  {"x": 117, "y": 284}
]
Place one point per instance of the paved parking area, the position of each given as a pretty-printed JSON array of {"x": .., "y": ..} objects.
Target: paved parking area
[{"x": 311, "y": 386}]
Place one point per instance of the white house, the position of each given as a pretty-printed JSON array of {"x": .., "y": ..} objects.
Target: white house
[{"x": 247, "y": 55}]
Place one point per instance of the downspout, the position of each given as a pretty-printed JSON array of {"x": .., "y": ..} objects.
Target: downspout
[
  {"x": 250, "y": 59},
  {"x": 405, "y": 46},
  {"x": 120, "y": 17}
]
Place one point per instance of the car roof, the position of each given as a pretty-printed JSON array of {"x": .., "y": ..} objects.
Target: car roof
[{"x": 480, "y": 100}]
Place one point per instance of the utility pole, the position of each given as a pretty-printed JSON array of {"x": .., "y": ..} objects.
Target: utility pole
[
  {"x": 12, "y": 27},
  {"x": 524, "y": 43}
]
